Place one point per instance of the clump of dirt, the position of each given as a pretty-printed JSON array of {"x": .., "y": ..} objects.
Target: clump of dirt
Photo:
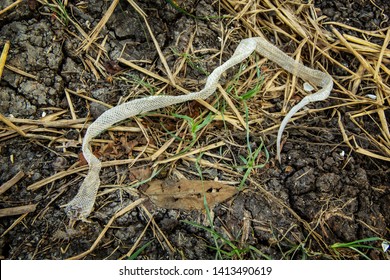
[
  {"x": 322, "y": 193},
  {"x": 362, "y": 14},
  {"x": 40, "y": 56}
]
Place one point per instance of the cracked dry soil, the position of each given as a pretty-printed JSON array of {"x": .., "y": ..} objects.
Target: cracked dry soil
[{"x": 342, "y": 200}]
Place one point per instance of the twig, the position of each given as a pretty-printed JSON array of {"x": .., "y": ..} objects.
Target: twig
[
  {"x": 108, "y": 225},
  {"x": 231, "y": 104},
  {"x": 196, "y": 151},
  {"x": 4, "y": 187},
  {"x": 137, "y": 241},
  {"x": 96, "y": 31},
  {"x": 3, "y": 57},
  {"x": 63, "y": 174},
  {"x": 156, "y": 45},
  {"x": 14, "y": 224},
  {"x": 10, "y": 6},
  {"x": 12, "y": 211},
  {"x": 21, "y": 72},
  {"x": 11, "y": 125}
]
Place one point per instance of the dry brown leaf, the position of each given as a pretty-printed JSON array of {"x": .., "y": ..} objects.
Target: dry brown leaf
[
  {"x": 112, "y": 67},
  {"x": 140, "y": 173},
  {"x": 188, "y": 194},
  {"x": 83, "y": 161},
  {"x": 112, "y": 151}
]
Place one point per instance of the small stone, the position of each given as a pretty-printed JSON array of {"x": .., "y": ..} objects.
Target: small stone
[
  {"x": 21, "y": 107},
  {"x": 327, "y": 182},
  {"x": 60, "y": 163},
  {"x": 330, "y": 12},
  {"x": 96, "y": 109}
]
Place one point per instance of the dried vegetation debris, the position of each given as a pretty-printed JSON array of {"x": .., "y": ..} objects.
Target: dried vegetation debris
[
  {"x": 324, "y": 192},
  {"x": 359, "y": 14}
]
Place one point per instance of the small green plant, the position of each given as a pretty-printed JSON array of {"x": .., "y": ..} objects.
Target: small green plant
[
  {"x": 250, "y": 160},
  {"x": 195, "y": 125},
  {"x": 292, "y": 251},
  {"x": 59, "y": 11},
  {"x": 192, "y": 61},
  {"x": 136, "y": 80},
  {"x": 232, "y": 89},
  {"x": 135, "y": 255},
  {"x": 360, "y": 246},
  {"x": 256, "y": 89}
]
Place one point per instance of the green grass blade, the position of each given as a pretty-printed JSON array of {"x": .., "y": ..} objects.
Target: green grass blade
[{"x": 135, "y": 255}]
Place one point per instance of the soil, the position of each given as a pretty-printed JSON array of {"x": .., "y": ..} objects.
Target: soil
[{"x": 320, "y": 184}]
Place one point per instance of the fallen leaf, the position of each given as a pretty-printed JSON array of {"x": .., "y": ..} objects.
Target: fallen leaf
[
  {"x": 128, "y": 145},
  {"x": 140, "y": 173},
  {"x": 83, "y": 161},
  {"x": 188, "y": 194},
  {"x": 112, "y": 67}
]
